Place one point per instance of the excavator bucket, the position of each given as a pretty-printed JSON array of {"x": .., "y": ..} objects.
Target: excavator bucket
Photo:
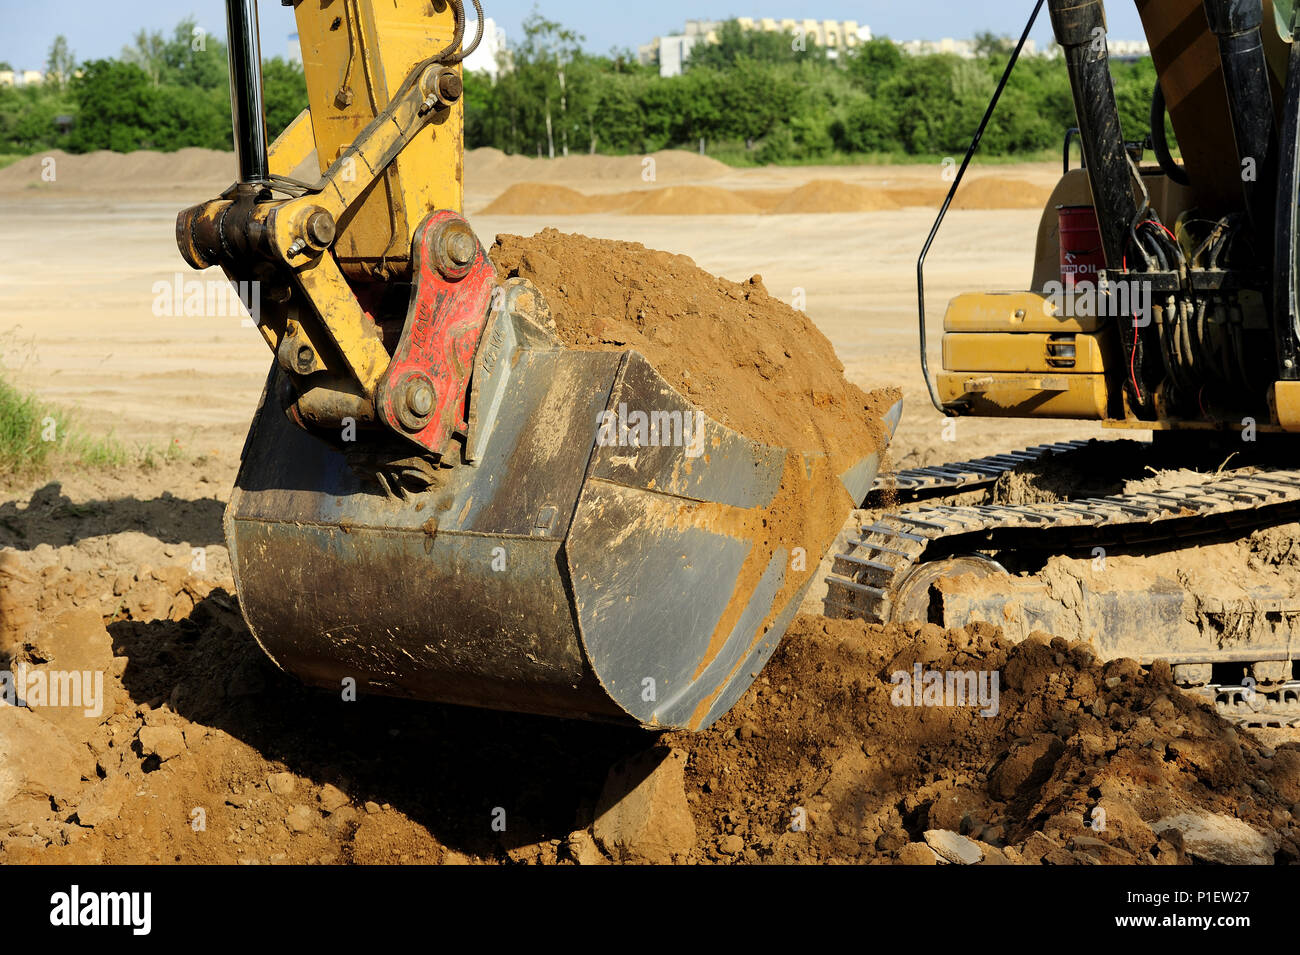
[{"x": 557, "y": 568}]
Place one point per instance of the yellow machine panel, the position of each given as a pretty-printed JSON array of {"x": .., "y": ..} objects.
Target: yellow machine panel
[
  {"x": 1285, "y": 401},
  {"x": 998, "y": 395},
  {"x": 1012, "y": 312},
  {"x": 351, "y": 76},
  {"x": 1034, "y": 352}
]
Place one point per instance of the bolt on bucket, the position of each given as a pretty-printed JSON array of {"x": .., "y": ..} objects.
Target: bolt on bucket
[{"x": 603, "y": 551}]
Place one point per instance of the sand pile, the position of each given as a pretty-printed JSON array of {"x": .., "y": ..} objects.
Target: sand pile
[
  {"x": 487, "y": 165},
  {"x": 820, "y": 196},
  {"x": 997, "y": 192},
  {"x": 542, "y": 199},
  {"x": 907, "y": 196},
  {"x": 1082, "y": 762},
  {"x": 690, "y": 201},
  {"x": 832, "y": 195},
  {"x": 130, "y": 175},
  {"x": 746, "y": 358}
]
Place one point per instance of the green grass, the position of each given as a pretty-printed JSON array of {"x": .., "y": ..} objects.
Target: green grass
[
  {"x": 8, "y": 159},
  {"x": 36, "y": 438}
]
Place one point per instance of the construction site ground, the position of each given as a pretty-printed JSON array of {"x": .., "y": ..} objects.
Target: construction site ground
[{"x": 203, "y": 752}]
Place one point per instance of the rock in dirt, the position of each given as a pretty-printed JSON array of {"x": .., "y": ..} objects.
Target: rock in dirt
[
  {"x": 954, "y": 848},
  {"x": 642, "y": 815},
  {"x": 300, "y": 819},
  {"x": 332, "y": 798},
  {"x": 77, "y": 692},
  {"x": 165, "y": 742},
  {"x": 1214, "y": 837},
  {"x": 917, "y": 853},
  {"x": 282, "y": 784},
  {"x": 582, "y": 848},
  {"x": 104, "y": 801},
  {"x": 38, "y": 764}
]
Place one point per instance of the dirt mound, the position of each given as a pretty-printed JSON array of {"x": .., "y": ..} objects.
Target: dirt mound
[
  {"x": 485, "y": 166},
  {"x": 542, "y": 199},
  {"x": 691, "y": 201},
  {"x": 917, "y": 196},
  {"x": 832, "y": 195},
  {"x": 1080, "y": 763},
  {"x": 145, "y": 172},
  {"x": 747, "y": 359},
  {"x": 997, "y": 192}
]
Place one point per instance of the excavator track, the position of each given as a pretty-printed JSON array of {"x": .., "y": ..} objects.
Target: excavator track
[
  {"x": 918, "y": 483},
  {"x": 884, "y": 573}
]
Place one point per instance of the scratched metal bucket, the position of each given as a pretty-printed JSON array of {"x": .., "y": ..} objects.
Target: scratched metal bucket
[{"x": 554, "y": 571}]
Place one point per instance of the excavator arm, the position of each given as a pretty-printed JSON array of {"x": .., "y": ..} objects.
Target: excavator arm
[
  {"x": 425, "y": 506},
  {"x": 323, "y": 255}
]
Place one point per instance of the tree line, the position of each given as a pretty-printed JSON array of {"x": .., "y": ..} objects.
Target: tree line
[{"x": 749, "y": 98}]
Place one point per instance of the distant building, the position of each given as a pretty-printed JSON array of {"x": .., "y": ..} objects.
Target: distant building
[
  {"x": 21, "y": 77},
  {"x": 492, "y": 56},
  {"x": 671, "y": 53}
]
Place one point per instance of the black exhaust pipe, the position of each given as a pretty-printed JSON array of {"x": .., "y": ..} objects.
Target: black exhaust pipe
[
  {"x": 1237, "y": 25},
  {"x": 247, "y": 105},
  {"x": 1080, "y": 27}
]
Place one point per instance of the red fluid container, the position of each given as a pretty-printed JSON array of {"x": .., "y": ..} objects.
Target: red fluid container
[{"x": 1081, "y": 253}]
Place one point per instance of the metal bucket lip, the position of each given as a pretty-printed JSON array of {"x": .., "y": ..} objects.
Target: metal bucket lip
[
  {"x": 696, "y": 678},
  {"x": 272, "y": 437}
]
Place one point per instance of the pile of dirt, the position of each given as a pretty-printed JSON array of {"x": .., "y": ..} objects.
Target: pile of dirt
[
  {"x": 818, "y": 197},
  {"x": 833, "y": 757},
  {"x": 195, "y": 749},
  {"x": 998, "y": 192},
  {"x": 690, "y": 201},
  {"x": 542, "y": 199},
  {"x": 832, "y": 195},
  {"x": 488, "y": 165},
  {"x": 747, "y": 359},
  {"x": 132, "y": 175},
  {"x": 906, "y": 196}
]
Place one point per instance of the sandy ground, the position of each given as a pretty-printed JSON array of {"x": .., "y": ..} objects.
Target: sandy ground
[{"x": 78, "y": 302}]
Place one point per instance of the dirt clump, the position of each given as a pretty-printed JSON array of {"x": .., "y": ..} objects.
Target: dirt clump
[
  {"x": 745, "y": 358},
  {"x": 828, "y": 759}
]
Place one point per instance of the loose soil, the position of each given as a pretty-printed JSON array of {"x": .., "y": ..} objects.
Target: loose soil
[
  {"x": 204, "y": 752},
  {"x": 745, "y": 358}
]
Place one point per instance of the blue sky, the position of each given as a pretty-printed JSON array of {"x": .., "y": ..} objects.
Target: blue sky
[{"x": 96, "y": 28}]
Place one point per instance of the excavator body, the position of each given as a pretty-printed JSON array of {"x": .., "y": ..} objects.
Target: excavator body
[{"x": 1165, "y": 298}]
